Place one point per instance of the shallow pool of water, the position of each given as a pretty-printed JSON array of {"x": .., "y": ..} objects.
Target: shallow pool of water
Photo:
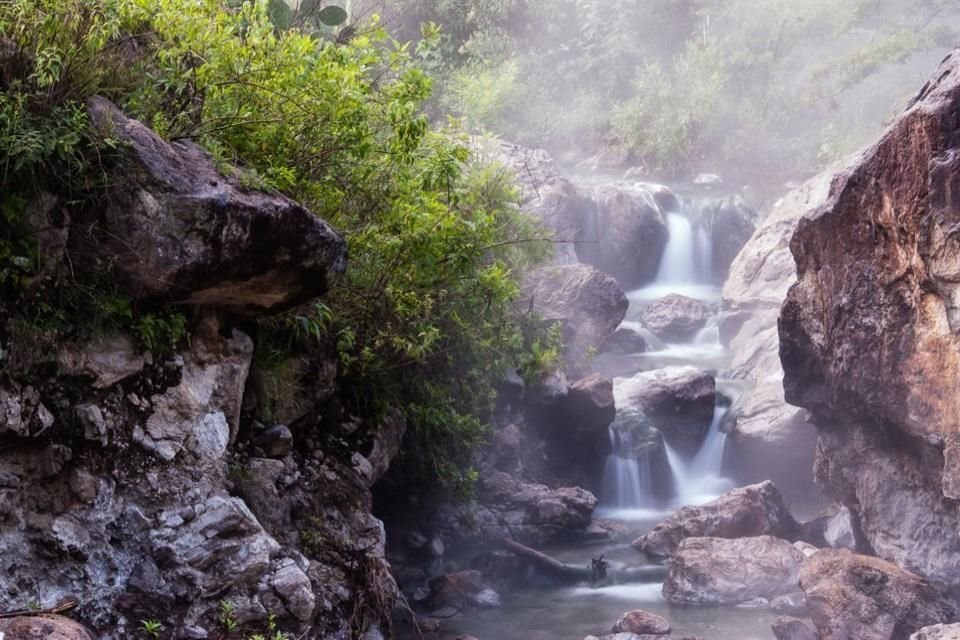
[{"x": 574, "y": 612}]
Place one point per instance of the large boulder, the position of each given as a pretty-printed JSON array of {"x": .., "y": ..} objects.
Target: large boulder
[
  {"x": 675, "y": 318},
  {"x": 725, "y": 224},
  {"x": 679, "y": 401},
  {"x": 768, "y": 439},
  {"x": 544, "y": 192},
  {"x": 755, "y": 510},
  {"x": 869, "y": 335},
  {"x": 786, "y": 628},
  {"x": 577, "y": 422},
  {"x": 624, "y": 234},
  {"x": 641, "y": 622},
  {"x": 175, "y": 228},
  {"x": 732, "y": 571},
  {"x": 938, "y": 632},
  {"x": 588, "y": 304},
  {"x": 852, "y": 596}
]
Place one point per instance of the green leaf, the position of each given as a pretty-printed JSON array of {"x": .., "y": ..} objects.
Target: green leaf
[{"x": 332, "y": 15}]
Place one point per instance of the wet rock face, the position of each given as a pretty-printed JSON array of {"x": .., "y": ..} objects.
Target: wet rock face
[
  {"x": 755, "y": 510},
  {"x": 134, "y": 515},
  {"x": 854, "y": 596},
  {"x": 587, "y": 303},
  {"x": 727, "y": 224},
  {"x": 732, "y": 571},
  {"x": 675, "y": 318},
  {"x": 938, "y": 632},
  {"x": 176, "y": 229},
  {"x": 624, "y": 234},
  {"x": 868, "y": 335},
  {"x": 769, "y": 439},
  {"x": 679, "y": 401}
]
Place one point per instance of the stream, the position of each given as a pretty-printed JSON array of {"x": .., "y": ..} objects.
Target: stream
[{"x": 628, "y": 496}]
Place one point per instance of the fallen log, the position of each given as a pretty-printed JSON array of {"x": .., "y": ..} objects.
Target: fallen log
[{"x": 571, "y": 573}]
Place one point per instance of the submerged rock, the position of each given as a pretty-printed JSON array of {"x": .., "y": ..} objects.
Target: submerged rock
[
  {"x": 855, "y": 596},
  {"x": 178, "y": 229},
  {"x": 869, "y": 335},
  {"x": 588, "y": 304},
  {"x": 755, "y": 510},
  {"x": 679, "y": 401},
  {"x": 675, "y": 318},
  {"x": 732, "y": 571},
  {"x": 641, "y": 622}
]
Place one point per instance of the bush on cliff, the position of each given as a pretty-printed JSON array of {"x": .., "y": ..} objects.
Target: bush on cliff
[{"x": 424, "y": 318}]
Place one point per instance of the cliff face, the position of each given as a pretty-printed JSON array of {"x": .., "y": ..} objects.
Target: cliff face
[
  {"x": 126, "y": 480},
  {"x": 868, "y": 334}
]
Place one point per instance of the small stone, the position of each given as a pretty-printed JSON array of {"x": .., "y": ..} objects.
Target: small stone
[
  {"x": 293, "y": 585},
  {"x": 436, "y": 547},
  {"x": 640, "y": 622},
  {"x": 94, "y": 425},
  {"x": 486, "y": 598},
  {"x": 55, "y": 458},
  {"x": 83, "y": 484},
  {"x": 276, "y": 442},
  {"x": 415, "y": 540}
]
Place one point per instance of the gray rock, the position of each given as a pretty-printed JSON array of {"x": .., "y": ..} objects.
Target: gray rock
[
  {"x": 544, "y": 192},
  {"x": 108, "y": 359},
  {"x": 294, "y": 587},
  {"x": 179, "y": 229},
  {"x": 792, "y": 604},
  {"x": 755, "y": 510},
  {"x": 732, "y": 571},
  {"x": 863, "y": 597},
  {"x": 938, "y": 632},
  {"x": 588, "y": 304},
  {"x": 785, "y": 628},
  {"x": 641, "y": 622},
  {"x": 276, "y": 442},
  {"x": 675, "y": 318},
  {"x": 679, "y": 401},
  {"x": 727, "y": 224},
  {"x": 624, "y": 233}
]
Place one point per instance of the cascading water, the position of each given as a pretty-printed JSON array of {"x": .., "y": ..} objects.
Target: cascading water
[
  {"x": 678, "y": 265},
  {"x": 704, "y": 251},
  {"x": 626, "y": 480},
  {"x": 710, "y": 334},
  {"x": 700, "y": 480}
]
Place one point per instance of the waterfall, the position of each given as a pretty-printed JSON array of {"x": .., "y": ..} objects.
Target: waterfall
[
  {"x": 710, "y": 334},
  {"x": 699, "y": 480},
  {"x": 704, "y": 251},
  {"x": 678, "y": 263},
  {"x": 653, "y": 342},
  {"x": 626, "y": 480}
]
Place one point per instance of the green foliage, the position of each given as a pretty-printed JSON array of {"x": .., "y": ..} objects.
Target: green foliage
[
  {"x": 685, "y": 86},
  {"x": 152, "y": 628},
  {"x": 424, "y": 319}
]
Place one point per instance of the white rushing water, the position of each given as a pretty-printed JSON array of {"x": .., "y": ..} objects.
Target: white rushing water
[
  {"x": 700, "y": 480},
  {"x": 678, "y": 265}
]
